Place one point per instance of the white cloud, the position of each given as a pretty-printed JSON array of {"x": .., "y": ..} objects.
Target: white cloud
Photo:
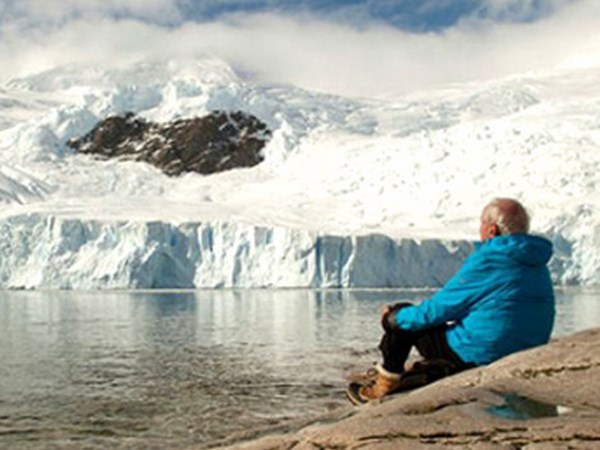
[{"x": 312, "y": 53}]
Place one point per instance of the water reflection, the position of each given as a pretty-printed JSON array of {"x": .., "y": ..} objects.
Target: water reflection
[
  {"x": 576, "y": 309},
  {"x": 174, "y": 369},
  {"x": 517, "y": 407}
]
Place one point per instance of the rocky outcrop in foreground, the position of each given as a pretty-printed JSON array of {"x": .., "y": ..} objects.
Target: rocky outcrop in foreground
[
  {"x": 214, "y": 143},
  {"x": 545, "y": 398}
]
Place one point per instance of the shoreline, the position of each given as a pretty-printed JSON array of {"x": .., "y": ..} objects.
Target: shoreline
[{"x": 543, "y": 398}]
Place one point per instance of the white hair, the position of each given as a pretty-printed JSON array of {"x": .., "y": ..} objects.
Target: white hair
[{"x": 508, "y": 214}]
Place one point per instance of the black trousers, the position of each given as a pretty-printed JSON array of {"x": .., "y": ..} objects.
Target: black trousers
[{"x": 431, "y": 343}]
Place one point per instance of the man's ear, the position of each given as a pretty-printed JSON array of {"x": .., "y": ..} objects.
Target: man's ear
[
  {"x": 494, "y": 231},
  {"x": 490, "y": 231}
]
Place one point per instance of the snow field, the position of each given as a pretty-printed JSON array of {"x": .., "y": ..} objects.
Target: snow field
[{"x": 392, "y": 187}]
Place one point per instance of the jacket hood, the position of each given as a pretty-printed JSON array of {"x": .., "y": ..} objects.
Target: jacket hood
[{"x": 525, "y": 248}]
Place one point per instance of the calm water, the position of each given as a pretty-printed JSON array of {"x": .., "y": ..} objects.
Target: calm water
[{"x": 170, "y": 370}]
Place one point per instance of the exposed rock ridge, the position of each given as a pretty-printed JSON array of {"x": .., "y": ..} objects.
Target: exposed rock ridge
[
  {"x": 493, "y": 407},
  {"x": 217, "y": 142}
]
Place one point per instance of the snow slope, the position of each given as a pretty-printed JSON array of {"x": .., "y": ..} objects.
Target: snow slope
[{"x": 353, "y": 192}]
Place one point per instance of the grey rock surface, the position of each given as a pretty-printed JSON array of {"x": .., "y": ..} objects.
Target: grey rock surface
[{"x": 543, "y": 398}]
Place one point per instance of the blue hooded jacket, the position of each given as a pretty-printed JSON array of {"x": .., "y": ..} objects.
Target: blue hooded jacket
[{"x": 499, "y": 302}]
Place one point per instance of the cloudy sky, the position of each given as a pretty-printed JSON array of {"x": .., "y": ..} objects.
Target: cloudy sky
[{"x": 351, "y": 47}]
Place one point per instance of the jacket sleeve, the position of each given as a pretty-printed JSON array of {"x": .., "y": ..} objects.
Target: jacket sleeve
[{"x": 452, "y": 302}]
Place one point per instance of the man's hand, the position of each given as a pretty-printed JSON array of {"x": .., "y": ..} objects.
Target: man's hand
[
  {"x": 385, "y": 310},
  {"x": 388, "y": 314}
]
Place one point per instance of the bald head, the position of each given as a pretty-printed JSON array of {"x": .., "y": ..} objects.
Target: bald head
[{"x": 503, "y": 216}]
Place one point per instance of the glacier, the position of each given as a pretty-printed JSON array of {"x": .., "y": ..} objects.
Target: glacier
[
  {"x": 42, "y": 251},
  {"x": 353, "y": 192}
]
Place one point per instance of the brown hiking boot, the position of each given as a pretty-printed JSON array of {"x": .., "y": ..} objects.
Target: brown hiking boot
[
  {"x": 363, "y": 378},
  {"x": 383, "y": 384}
]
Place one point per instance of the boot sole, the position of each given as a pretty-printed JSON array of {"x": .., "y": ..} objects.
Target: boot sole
[{"x": 353, "y": 395}]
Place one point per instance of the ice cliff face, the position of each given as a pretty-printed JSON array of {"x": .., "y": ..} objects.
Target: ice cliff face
[
  {"x": 351, "y": 192},
  {"x": 80, "y": 254}
]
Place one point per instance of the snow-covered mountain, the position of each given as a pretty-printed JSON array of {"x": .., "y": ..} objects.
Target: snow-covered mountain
[{"x": 351, "y": 192}]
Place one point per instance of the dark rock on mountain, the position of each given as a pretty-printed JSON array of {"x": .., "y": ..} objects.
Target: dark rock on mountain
[{"x": 214, "y": 143}]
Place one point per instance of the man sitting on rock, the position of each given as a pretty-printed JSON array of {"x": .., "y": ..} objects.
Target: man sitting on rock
[{"x": 501, "y": 301}]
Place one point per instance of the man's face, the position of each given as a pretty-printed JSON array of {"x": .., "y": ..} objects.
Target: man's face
[{"x": 481, "y": 230}]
